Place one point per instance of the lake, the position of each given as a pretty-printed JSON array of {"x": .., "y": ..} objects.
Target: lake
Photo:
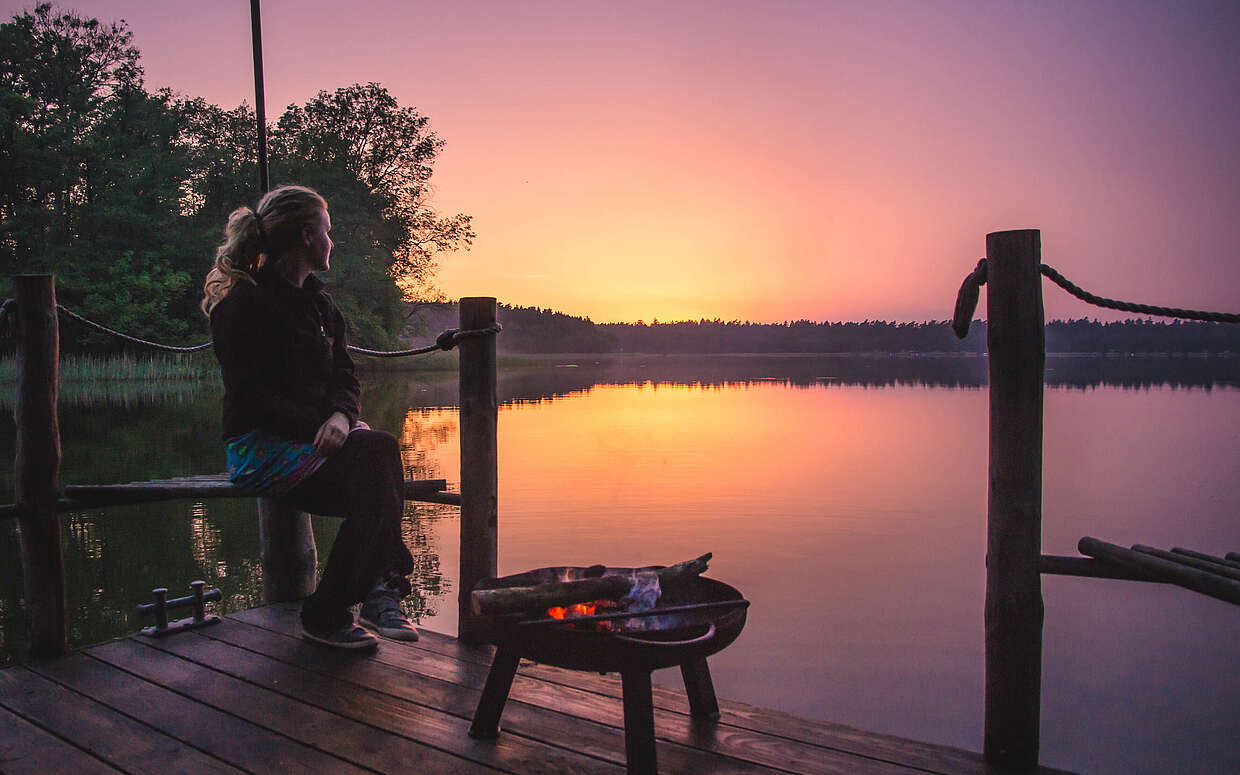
[{"x": 845, "y": 497}]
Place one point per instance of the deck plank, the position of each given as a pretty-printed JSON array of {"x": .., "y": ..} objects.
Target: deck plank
[
  {"x": 25, "y": 749},
  {"x": 227, "y": 737},
  {"x": 377, "y": 710},
  {"x": 519, "y": 718},
  {"x": 205, "y": 486},
  {"x": 250, "y": 694},
  {"x": 719, "y": 737},
  {"x": 355, "y": 742},
  {"x": 928, "y": 756},
  {"x": 104, "y": 733}
]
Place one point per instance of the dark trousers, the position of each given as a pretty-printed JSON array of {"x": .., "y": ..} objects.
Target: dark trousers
[{"x": 364, "y": 482}]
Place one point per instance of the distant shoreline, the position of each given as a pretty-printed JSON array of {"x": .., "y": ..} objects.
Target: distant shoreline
[{"x": 128, "y": 368}]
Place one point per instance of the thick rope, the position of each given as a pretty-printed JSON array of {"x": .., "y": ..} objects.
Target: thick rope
[
  {"x": 135, "y": 340},
  {"x": 1140, "y": 309},
  {"x": 966, "y": 301},
  {"x": 445, "y": 341}
]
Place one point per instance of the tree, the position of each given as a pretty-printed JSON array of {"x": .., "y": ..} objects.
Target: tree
[
  {"x": 91, "y": 172},
  {"x": 124, "y": 193},
  {"x": 373, "y": 159},
  {"x": 61, "y": 79}
]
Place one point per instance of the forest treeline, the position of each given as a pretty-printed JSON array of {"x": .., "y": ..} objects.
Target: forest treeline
[
  {"x": 123, "y": 192},
  {"x": 534, "y": 330}
]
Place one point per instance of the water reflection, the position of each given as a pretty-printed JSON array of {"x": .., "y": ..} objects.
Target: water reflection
[
  {"x": 115, "y": 556},
  {"x": 845, "y": 497}
]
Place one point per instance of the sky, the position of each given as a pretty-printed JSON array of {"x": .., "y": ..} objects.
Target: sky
[{"x": 776, "y": 160}]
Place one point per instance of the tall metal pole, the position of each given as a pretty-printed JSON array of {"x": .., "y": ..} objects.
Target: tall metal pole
[
  {"x": 289, "y": 558},
  {"x": 264, "y": 181}
]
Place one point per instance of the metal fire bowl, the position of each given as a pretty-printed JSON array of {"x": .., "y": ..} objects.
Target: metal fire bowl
[{"x": 680, "y": 637}]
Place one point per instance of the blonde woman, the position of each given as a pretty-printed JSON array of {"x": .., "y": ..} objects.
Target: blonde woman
[{"x": 291, "y": 404}]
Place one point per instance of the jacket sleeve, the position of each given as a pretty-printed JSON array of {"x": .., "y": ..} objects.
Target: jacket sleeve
[
  {"x": 248, "y": 361},
  {"x": 344, "y": 392}
]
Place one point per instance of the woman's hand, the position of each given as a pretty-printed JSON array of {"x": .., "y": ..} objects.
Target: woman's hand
[{"x": 332, "y": 434}]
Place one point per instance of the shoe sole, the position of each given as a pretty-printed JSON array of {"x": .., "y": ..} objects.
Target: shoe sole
[
  {"x": 369, "y": 643},
  {"x": 387, "y": 632}
]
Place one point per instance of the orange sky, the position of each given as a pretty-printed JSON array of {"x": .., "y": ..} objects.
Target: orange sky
[{"x": 777, "y": 160}]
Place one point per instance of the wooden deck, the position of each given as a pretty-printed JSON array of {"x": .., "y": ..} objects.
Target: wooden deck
[{"x": 248, "y": 695}]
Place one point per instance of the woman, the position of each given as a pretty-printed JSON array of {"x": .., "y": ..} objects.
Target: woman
[{"x": 291, "y": 407}]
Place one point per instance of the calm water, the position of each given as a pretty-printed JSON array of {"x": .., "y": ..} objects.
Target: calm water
[{"x": 845, "y": 498}]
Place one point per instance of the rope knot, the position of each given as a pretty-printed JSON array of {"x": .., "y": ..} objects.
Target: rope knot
[{"x": 447, "y": 339}]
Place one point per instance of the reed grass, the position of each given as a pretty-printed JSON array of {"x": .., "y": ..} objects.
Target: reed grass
[{"x": 125, "y": 367}]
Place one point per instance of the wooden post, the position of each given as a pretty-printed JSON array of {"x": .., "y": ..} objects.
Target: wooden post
[
  {"x": 289, "y": 557},
  {"x": 1017, "y": 352},
  {"x": 37, "y": 465},
  {"x": 479, "y": 459}
]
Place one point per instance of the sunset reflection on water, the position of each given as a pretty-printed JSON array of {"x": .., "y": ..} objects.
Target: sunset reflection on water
[
  {"x": 845, "y": 498},
  {"x": 853, "y": 518}
]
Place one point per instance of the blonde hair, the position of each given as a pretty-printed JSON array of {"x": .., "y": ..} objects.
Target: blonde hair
[{"x": 253, "y": 237}]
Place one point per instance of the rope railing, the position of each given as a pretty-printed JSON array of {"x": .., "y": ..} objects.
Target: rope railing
[
  {"x": 1127, "y": 306},
  {"x": 445, "y": 341},
  {"x": 168, "y": 348},
  {"x": 966, "y": 301}
]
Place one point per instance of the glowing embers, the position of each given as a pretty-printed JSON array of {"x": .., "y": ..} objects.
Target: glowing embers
[{"x": 593, "y": 608}]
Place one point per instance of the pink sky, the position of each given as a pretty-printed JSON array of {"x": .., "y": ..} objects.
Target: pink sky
[{"x": 776, "y": 160}]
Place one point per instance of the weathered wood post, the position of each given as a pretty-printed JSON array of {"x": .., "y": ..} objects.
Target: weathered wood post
[
  {"x": 290, "y": 560},
  {"x": 1017, "y": 353},
  {"x": 37, "y": 465},
  {"x": 479, "y": 459}
]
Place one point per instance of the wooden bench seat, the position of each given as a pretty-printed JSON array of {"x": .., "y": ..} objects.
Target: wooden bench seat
[{"x": 212, "y": 486}]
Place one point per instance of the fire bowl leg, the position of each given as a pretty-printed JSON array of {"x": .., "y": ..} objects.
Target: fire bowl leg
[
  {"x": 495, "y": 694},
  {"x": 638, "y": 723},
  {"x": 700, "y": 690}
]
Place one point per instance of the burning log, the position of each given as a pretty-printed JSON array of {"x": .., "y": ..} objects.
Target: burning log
[{"x": 504, "y": 600}]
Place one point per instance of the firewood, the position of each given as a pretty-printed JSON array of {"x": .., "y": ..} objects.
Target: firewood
[
  {"x": 683, "y": 570},
  {"x": 492, "y": 602}
]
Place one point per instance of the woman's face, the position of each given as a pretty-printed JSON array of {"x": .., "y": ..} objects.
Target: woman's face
[{"x": 319, "y": 243}]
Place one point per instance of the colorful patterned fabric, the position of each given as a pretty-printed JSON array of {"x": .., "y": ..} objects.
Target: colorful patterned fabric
[{"x": 261, "y": 463}]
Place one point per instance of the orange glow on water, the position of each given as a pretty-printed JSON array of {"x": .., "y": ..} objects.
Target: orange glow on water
[
  {"x": 631, "y": 438},
  {"x": 870, "y": 501}
]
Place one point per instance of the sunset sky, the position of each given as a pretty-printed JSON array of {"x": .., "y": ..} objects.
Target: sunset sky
[{"x": 776, "y": 160}]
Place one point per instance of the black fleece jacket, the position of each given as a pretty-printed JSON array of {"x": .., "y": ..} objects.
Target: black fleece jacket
[{"x": 283, "y": 356}]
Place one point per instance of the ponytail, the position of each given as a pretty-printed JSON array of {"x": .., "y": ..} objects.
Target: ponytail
[{"x": 235, "y": 259}]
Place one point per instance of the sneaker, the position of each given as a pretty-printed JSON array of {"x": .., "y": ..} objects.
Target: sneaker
[
  {"x": 381, "y": 613},
  {"x": 349, "y": 636}
]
